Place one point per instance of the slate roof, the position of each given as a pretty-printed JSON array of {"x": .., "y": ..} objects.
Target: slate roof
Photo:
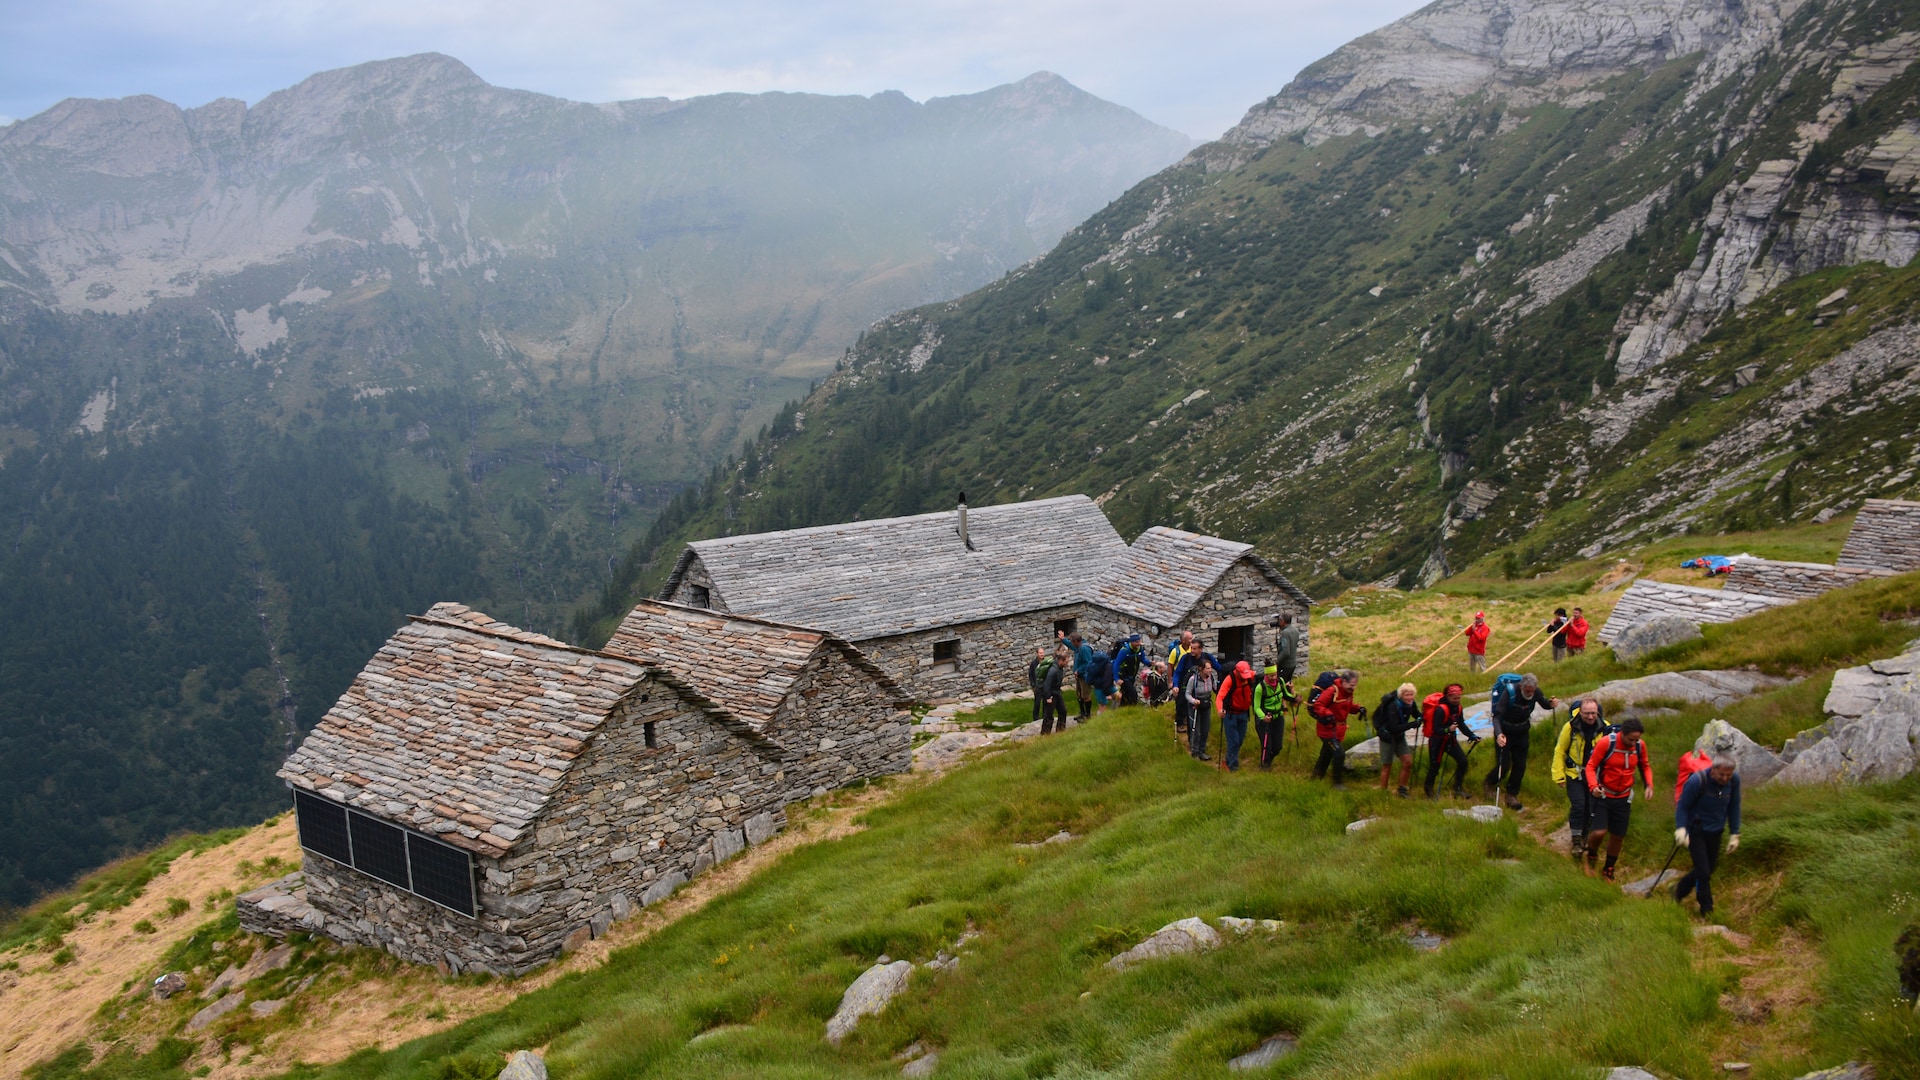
[
  {"x": 1166, "y": 571},
  {"x": 745, "y": 664},
  {"x": 870, "y": 579},
  {"x": 463, "y": 727}
]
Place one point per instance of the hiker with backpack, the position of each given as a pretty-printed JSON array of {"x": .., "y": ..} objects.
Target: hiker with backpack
[
  {"x": 1397, "y": 714},
  {"x": 1332, "y": 704},
  {"x": 1235, "y": 701},
  {"x": 1198, "y": 689},
  {"x": 1053, "y": 683},
  {"x": 1158, "y": 683},
  {"x": 1445, "y": 726},
  {"x": 1577, "y": 628},
  {"x": 1083, "y": 663},
  {"x": 1615, "y": 760},
  {"x": 1270, "y": 701},
  {"x": 1176, "y": 667},
  {"x": 1477, "y": 635},
  {"x": 1515, "y": 697},
  {"x": 1127, "y": 662},
  {"x": 1557, "y": 626},
  {"x": 1707, "y": 811},
  {"x": 1035, "y": 674},
  {"x": 1583, "y": 728}
]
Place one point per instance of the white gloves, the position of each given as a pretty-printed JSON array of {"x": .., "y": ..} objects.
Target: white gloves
[
  {"x": 1733, "y": 843},
  {"x": 1679, "y": 838}
]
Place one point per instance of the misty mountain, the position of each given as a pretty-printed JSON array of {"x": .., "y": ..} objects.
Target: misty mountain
[{"x": 273, "y": 376}]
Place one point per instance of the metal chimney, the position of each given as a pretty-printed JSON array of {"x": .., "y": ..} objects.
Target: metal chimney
[{"x": 965, "y": 541}]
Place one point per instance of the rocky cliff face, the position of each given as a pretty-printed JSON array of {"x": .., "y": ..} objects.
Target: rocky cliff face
[{"x": 1518, "y": 278}]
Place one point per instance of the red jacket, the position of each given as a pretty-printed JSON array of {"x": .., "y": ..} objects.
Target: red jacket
[
  {"x": 1577, "y": 633},
  {"x": 1610, "y": 767},
  {"x": 1330, "y": 711},
  {"x": 1477, "y": 639},
  {"x": 1691, "y": 762}
]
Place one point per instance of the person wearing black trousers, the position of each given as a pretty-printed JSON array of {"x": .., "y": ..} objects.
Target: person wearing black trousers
[
  {"x": 1512, "y": 714},
  {"x": 1707, "y": 812},
  {"x": 1446, "y": 726}
]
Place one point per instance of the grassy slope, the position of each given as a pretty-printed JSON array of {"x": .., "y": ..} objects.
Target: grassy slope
[{"x": 1547, "y": 973}]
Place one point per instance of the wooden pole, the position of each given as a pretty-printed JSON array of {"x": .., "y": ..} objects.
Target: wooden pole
[
  {"x": 1516, "y": 648},
  {"x": 1536, "y": 648},
  {"x": 1456, "y": 633}
]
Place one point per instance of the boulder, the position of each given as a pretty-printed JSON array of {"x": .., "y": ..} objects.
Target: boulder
[
  {"x": 867, "y": 996},
  {"x": 1852, "y": 1070},
  {"x": 921, "y": 1066},
  {"x": 524, "y": 1065},
  {"x": 1270, "y": 1050},
  {"x": 1716, "y": 688},
  {"x": 1189, "y": 935},
  {"x": 1359, "y": 826},
  {"x": 1756, "y": 763},
  {"x": 216, "y": 1010},
  {"x": 1630, "y": 1072},
  {"x": 1656, "y": 633},
  {"x": 169, "y": 984},
  {"x": 267, "y": 1007},
  {"x": 1880, "y": 747},
  {"x": 1486, "y": 815}
]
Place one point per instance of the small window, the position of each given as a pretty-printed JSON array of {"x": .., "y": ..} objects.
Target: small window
[
  {"x": 653, "y": 740},
  {"x": 1062, "y": 627},
  {"x": 946, "y": 652},
  {"x": 698, "y": 596}
]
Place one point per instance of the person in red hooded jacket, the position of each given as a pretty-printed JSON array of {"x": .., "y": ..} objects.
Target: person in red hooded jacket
[
  {"x": 1577, "y": 628},
  {"x": 1235, "y": 702},
  {"x": 1330, "y": 709},
  {"x": 1611, "y": 767}
]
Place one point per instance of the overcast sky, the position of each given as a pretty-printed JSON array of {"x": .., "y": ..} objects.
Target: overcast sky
[{"x": 1194, "y": 65}]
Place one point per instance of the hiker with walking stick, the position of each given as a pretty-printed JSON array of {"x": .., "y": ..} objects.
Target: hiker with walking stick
[
  {"x": 1330, "y": 709},
  {"x": 1398, "y": 714},
  {"x": 1270, "y": 715},
  {"x": 1515, "y": 697},
  {"x": 1707, "y": 811},
  {"x": 1445, "y": 727},
  {"x": 1570, "y": 753},
  {"x": 1610, "y": 771}
]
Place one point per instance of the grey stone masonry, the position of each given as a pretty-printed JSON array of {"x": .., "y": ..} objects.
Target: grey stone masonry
[
  {"x": 1885, "y": 536},
  {"x": 1244, "y": 596},
  {"x": 1645, "y": 599},
  {"x": 990, "y": 654},
  {"x": 1796, "y": 580},
  {"x": 279, "y": 908}
]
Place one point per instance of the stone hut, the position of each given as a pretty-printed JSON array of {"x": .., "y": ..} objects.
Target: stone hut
[
  {"x": 951, "y": 604},
  {"x": 834, "y": 713},
  {"x": 482, "y": 797},
  {"x": 1173, "y": 581}
]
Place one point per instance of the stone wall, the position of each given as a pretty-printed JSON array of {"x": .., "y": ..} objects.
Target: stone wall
[
  {"x": 1797, "y": 580},
  {"x": 1645, "y": 599},
  {"x": 1243, "y": 597},
  {"x": 1885, "y": 536},
  {"x": 993, "y": 652},
  {"x": 838, "y": 725},
  {"x": 628, "y": 825}
]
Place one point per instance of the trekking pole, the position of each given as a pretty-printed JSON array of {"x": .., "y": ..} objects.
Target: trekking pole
[
  {"x": 1663, "y": 870},
  {"x": 1518, "y": 647},
  {"x": 1456, "y": 633}
]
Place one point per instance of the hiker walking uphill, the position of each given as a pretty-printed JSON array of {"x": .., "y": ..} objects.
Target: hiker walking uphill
[
  {"x": 1445, "y": 726},
  {"x": 1398, "y": 714},
  {"x": 1198, "y": 690},
  {"x": 1235, "y": 700},
  {"x": 1477, "y": 635},
  {"x": 1053, "y": 693},
  {"x": 1570, "y": 752},
  {"x": 1707, "y": 812},
  {"x": 1270, "y": 701},
  {"x": 1177, "y": 668},
  {"x": 1127, "y": 662},
  {"x": 1616, "y": 757},
  {"x": 1515, "y": 697},
  {"x": 1331, "y": 706},
  {"x": 1557, "y": 626},
  {"x": 1158, "y": 684}
]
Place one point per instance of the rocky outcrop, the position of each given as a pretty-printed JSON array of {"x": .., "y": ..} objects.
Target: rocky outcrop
[
  {"x": 1872, "y": 734},
  {"x": 1755, "y": 763},
  {"x": 1189, "y": 935},
  {"x": 1716, "y": 688},
  {"x": 1657, "y": 632},
  {"x": 1525, "y": 52},
  {"x": 868, "y": 995}
]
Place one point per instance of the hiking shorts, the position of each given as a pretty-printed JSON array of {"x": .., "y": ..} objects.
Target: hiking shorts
[
  {"x": 1394, "y": 747},
  {"x": 1611, "y": 814}
]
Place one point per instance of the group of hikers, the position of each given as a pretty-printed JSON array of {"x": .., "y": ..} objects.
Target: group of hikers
[{"x": 1595, "y": 763}]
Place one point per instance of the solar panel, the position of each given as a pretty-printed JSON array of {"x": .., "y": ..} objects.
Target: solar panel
[
  {"x": 379, "y": 849},
  {"x": 441, "y": 873},
  {"x": 323, "y": 827}
]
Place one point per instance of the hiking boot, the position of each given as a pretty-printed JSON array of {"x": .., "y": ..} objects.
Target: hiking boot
[
  {"x": 1459, "y": 793},
  {"x": 1233, "y": 768},
  {"x": 1201, "y": 757},
  {"x": 1339, "y": 785},
  {"x": 1607, "y": 872},
  {"x": 1403, "y": 793},
  {"x": 1513, "y": 804}
]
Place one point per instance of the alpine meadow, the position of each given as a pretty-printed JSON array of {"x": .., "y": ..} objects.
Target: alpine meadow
[{"x": 1425, "y": 585}]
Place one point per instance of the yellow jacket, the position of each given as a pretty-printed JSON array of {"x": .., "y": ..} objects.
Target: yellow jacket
[{"x": 1564, "y": 747}]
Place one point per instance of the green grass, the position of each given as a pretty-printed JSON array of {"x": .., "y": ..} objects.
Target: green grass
[{"x": 109, "y": 888}]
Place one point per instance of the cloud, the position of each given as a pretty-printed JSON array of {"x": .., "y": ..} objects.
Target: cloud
[{"x": 1195, "y": 66}]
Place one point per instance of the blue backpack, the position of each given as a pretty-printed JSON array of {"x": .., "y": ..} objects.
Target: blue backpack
[{"x": 1506, "y": 693}]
